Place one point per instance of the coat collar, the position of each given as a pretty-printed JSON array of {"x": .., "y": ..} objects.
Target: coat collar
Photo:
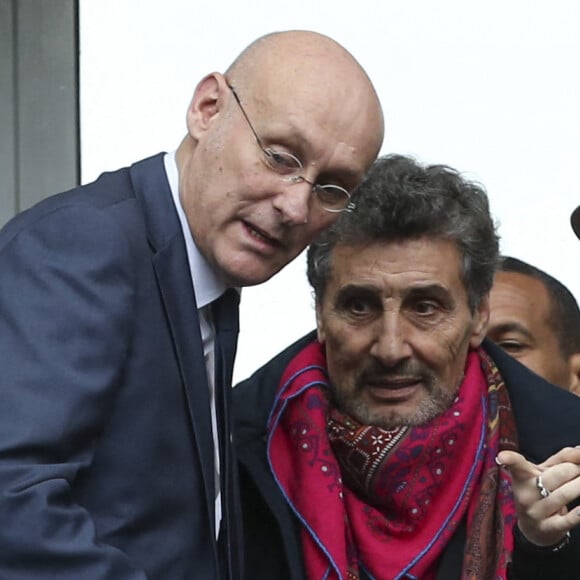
[{"x": 546, "y": 416}]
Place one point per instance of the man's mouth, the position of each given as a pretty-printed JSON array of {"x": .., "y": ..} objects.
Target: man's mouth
[
  {"x": 393, "y": 383},
  {"x": 393, "y": 390},
  {"x": 261, "y": 235}
]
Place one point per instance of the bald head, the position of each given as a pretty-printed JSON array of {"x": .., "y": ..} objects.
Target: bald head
[
  {"x": 300, "y": 63},
  {"x": 289, "y": 49},
  {"x": 274, "y": 149}
]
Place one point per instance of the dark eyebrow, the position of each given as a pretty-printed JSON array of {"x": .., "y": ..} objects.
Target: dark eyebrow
[
  {"x": 429, "y": 289},
  {"x": 357, "y": 289},
  {"x": 438, "y": 291},
  {"x": 510, "y": 327}
]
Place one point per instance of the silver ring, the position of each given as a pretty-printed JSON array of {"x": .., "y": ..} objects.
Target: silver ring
[{"x": 541, "y": 488}]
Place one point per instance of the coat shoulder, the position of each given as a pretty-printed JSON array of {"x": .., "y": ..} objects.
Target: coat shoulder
[{"x": 254, "y": 397}]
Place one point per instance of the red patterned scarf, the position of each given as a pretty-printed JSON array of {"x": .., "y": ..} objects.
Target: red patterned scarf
[{"x": 405, "y": 491}]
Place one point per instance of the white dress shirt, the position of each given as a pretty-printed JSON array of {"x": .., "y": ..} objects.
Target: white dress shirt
[{"x": 207, "y": 287}]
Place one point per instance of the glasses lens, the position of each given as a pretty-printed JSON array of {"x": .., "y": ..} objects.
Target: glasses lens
[
  {"x": 282, "y": 162},
  {"x": 332, "y": 197}
]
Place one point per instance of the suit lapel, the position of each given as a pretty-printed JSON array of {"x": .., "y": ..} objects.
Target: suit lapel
[
  {"x": 172, "y": 270},
  {"x": 181, "y": 311}
]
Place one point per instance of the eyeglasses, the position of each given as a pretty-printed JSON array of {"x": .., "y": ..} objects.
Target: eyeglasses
[{"x": 332, "y": 198}]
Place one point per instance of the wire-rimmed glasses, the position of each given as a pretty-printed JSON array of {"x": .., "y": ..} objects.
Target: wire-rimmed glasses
[{"x": 333, "y": 198}]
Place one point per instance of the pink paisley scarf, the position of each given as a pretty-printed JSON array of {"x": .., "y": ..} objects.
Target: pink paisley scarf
[{"x": 389, "y": 501}]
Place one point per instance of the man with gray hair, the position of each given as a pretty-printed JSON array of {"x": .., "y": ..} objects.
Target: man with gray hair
[{"x": 393, "y": 442}]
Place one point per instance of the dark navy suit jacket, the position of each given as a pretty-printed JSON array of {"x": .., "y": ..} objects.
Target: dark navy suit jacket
[{"x": 106, "y": 453}]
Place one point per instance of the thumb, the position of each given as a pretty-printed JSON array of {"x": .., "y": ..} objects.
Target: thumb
[
  {"x": 508, "y": 458},
  {"x": 518, "y": 465}
]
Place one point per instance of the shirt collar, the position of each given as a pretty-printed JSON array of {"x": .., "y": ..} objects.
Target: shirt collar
[{"x": 206, "y": 283}]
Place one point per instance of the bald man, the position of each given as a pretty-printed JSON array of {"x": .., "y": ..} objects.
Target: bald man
[
  {"x": 118, "y": 318},
  {"x": 535, "y": 318}
]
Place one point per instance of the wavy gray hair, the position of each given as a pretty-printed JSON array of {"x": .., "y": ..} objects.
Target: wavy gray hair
[{"x": 400, "y": 199}]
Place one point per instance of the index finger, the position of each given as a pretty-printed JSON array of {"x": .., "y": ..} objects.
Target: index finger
[{"x": 565, "y": 455}]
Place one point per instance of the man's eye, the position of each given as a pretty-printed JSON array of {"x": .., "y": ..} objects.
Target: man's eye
[
  {"x": 425, "y": 308},
  {"x": 358, "y": 306},
  {"x": 511, "y": 346},
  {"x": 281, "y": 161},
  {"x": 355, "y": 307}
]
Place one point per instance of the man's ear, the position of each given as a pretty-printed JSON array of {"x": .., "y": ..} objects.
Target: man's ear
[
  {"x": 206, "y": 103},
  {"x": 480, "y": 322},
  {"x": 574, "y": 365},
  {"x": 319, "y": 326}
]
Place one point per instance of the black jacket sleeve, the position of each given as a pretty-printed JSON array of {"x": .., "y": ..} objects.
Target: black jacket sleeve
[{"x": 533, "y": 563}]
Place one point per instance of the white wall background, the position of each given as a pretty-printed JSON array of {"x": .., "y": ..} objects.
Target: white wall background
[{"x": 491, "y": 88}]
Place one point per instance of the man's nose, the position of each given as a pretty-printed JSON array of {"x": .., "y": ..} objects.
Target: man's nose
[
  {"x": 391, "y": 342},
  {"x": 294, "y": 201}
]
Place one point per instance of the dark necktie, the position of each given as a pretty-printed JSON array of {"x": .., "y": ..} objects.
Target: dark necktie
[{"x": 225, "y": 315}]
